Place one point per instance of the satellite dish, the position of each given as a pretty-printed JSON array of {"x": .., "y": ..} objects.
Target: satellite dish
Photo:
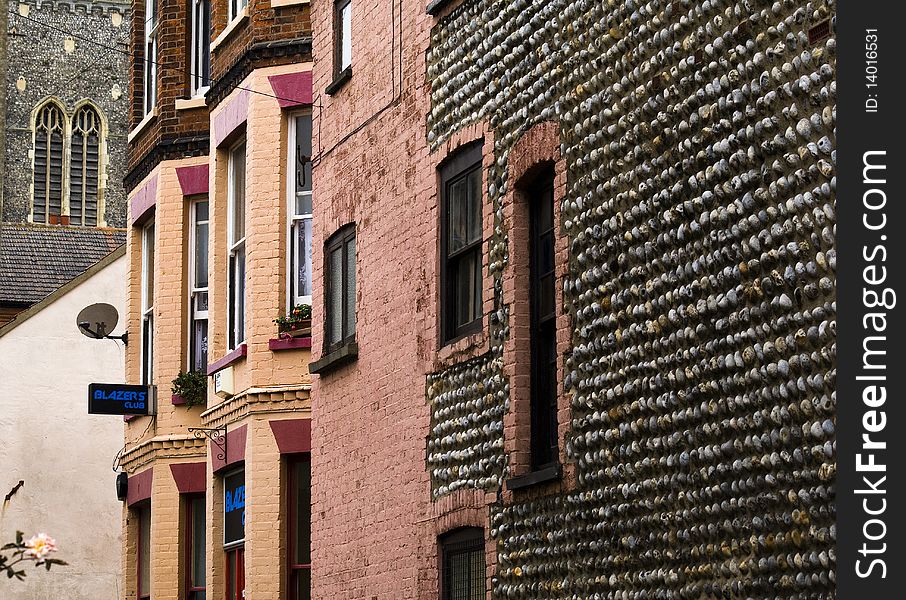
[{"x": 97, "y": 321}]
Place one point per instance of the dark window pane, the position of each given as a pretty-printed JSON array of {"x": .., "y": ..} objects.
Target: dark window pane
[
  {"x": 201, "y": 254},
  {"x": 335, "y": 331},
  {"x": 467, "y": 288},
  {"x": 198, "y": 542},
  {"x": 302, "y": 584},
  {"x": 303, "y": 159},
  {"x": 144, "y": 552},
  {"x": 302, "y": 520},
  {"x": 350, "y": 288}
]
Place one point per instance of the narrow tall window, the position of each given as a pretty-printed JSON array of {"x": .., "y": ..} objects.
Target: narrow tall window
[
  {"x": 236, "y": 7},
  {"x": 543, "y": 330},
  {"x": 148, "y": 304},
  {"x": 234, "y": 533},
  {"x": 151, "y": 25},
  {"x": 195, "y": 547},
  {"x": 144, "y": 552},
  {"x": 84, "y": 167},
  {"x": 300, "y": 211},
  {"x": 339, "y": 268},
  {"x": 461, "y": 238},
  {"x": 342, "y": 36},
  {"x": 200, "y": 72},
  {"x": 300, "y": 528},
  {"x": 198, "y": 296},
  {"x": 463, "y": 571},
  {"x": 48, "y": 183},
  {"x": 236, "y": 241}
]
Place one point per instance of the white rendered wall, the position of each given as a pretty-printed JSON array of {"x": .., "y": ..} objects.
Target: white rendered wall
[{"x": 64, "y": 455}]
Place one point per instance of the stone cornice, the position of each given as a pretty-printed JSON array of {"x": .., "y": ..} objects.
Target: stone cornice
[
  {"x": 262, "y": 400},
  {"x": 162, "y": 447}
]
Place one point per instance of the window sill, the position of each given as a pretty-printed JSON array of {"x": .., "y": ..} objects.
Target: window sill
[
  {"x": 279, "y": 344},
  {"x": 233, "y": 26},
  {"x": 336, "y": 359},
  {"x": 282, "y": 3},
  {"x": 544, "y": 475},
  {"x": 142, "y": 125},
  {"x": 190, "y": 103},
  {"x": 338, "y": 82},
  {"x": 232, "y": 357}
]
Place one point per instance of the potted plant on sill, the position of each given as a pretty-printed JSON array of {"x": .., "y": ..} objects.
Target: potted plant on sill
[
  {"x": 190, "y": 388},
  {"x": 297, "y": 323}
]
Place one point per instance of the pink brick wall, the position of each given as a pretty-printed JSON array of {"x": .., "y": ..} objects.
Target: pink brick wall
[{"x": 374, "y": 525}]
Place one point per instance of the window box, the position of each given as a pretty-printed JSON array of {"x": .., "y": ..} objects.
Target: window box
[
  {"x": 177, "y": 400},
  {"x": 288, "y": 343},
  {"x": 300, "y": 329}
]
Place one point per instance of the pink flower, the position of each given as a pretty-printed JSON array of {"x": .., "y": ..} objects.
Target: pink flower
[{"x": 40, "y": 546}]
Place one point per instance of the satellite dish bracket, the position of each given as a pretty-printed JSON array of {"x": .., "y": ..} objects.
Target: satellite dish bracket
[{"x": 95, "y": 334}]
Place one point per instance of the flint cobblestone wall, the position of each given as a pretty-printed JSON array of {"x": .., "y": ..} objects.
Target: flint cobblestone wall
[
  {"x": 699, "y": 210},
  {"x": 45, "y": 58}
]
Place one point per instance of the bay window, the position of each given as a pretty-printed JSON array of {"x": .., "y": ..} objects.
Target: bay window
[
  {"x": 147, "y": 305},
  {"x": 300, "y": 207},
  {"x": 198, "y": 289},
  {"x": 236, "y": 245}
]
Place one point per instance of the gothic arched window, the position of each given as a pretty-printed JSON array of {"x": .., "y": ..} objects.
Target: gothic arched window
[
  {"x": 48, "y": 190},
  {"x": 84, "y": 168}
]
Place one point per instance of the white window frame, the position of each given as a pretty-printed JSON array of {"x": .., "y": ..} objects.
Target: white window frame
[
  {"x": 236, "y": 334},
  {"x": 147, "y": 308},
  {"x": 235, "y": 8},
  {"x": 343, "y": 41},
  {"x": 201, "y": 48},
  {"x": 194, "y": 289},
  {"x": 152, "y": 24},
  {"x": 293, "y": 220}
]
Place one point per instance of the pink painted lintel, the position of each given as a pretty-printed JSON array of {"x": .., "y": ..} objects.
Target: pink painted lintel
[
  {"x": 232, "y": 116},
  {"x": 143, "y": 201},
  {"x": 193, "y": 180},
  {"x": 227, "y": 360},
  {"x": 292, "y": 89}
]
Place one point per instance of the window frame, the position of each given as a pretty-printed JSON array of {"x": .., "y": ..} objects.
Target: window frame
[
  {"x": 148, "y": 234},
  {"x": 293, "y": 219},
  {"x": 149, "y": 83},
  {"x": 200, "y": 50},
  {"x": 235, "y": 8},
  {"x": 340, "y": 241},
  {"x": 143, "y": 546},
  {"x": 68, "y": 179},
  {"x": 236, "y": 311},
  {"x": 235, "y": 561},
  {"x": 462, "y": 164},
  {"x": 190, "y": 501},
  {"x": 194, "y": 314},
  {"x": 47, "y": 177},
  {"x": 465, "y": 540},
  {"x": 293, "y": 490},
  {"x": 544, "y": 445},
  {"x": 341, "y": 35}
]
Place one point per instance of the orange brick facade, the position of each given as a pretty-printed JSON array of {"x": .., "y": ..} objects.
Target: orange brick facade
[{"x": 264, "y": 417}]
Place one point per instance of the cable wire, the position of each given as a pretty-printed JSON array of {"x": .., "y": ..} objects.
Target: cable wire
[{"x": 134, "y": 55}]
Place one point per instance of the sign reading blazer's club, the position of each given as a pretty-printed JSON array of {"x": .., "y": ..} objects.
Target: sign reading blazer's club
[{"x": 121, "y": 399}]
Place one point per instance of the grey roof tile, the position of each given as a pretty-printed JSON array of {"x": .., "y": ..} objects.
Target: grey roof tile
[{"x": 37, "y": 259}]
